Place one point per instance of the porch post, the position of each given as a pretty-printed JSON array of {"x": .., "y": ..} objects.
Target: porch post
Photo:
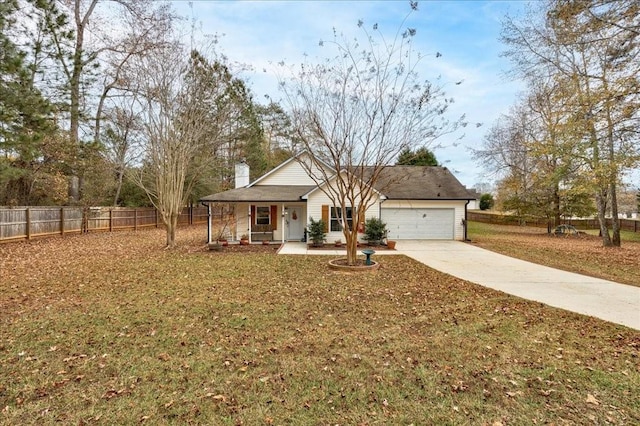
[
  {"x": 283, "y": 220},
  {"x": 209, "y": 223},
  {"x": 249, "y": 222}
]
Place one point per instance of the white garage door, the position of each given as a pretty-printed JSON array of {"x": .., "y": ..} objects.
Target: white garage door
[{"x": 419, "y": 224}]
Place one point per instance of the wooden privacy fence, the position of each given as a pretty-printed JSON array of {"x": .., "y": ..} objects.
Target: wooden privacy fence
[
  {"x": 631, "y": 225},
  {"x": 20, "y": 223}
]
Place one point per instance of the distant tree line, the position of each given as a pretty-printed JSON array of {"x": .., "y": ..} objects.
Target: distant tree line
[
  {"x": 79, "y": 115},
  {"x": 103, "y": 103}
]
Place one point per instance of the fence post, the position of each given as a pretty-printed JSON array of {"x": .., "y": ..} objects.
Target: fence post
[
  {"x": 156, "y": 210},
  {"x": 28, "y": 216},
  {"x": 110, "y": 220},
  {"x": 85, "y": 220},
  {"x": 191, "y": 214},
  {"x": 135, "y": 218},
  {"x": 62, "y": 221}
]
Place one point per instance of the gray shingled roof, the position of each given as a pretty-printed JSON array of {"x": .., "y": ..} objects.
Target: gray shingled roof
[
  {"x": 421, "y": 183},
  {"x": 260, "y": 193},
  {"x": 395, "y": 182}
]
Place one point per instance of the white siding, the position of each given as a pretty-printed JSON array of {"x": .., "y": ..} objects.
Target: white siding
[
  {"x": 314, "y": 210},
  {"x": 292, "y": 174},
  {"x": 458, "y": 207}
]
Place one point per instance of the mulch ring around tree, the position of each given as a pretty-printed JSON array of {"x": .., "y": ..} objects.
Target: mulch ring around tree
[{"x": 359, "y": 266}]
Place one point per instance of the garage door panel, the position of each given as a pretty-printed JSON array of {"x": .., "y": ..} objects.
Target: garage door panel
[{"x": 410, "y": 224}]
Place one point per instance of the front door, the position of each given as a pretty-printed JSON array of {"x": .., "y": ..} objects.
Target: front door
[{"x": 295, "y": 223}]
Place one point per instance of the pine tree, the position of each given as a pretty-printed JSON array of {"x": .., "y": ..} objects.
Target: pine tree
[{"x": 24, "y": 116}]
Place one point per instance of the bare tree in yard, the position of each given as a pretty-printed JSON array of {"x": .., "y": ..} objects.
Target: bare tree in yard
[
  {"x": 592, "y": 48},
  {"x": 356, "y": 111},
  {"x": 187, "y": 113},
  {"x": 122, "y": 139}
]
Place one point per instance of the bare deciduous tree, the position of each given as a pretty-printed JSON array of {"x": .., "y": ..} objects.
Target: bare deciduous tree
[
  {"x": 123, "y": 138},
  {"x": 188, "y": 113},
  {"x": 356, "y": 111}
]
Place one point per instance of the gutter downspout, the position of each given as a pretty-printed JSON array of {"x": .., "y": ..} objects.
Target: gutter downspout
[
  {"x": 283, "y": 220},
  {"x": 249, "y": 219},
  {"x": 382, "y": 200},
  {"x": 464, "y": 228}
]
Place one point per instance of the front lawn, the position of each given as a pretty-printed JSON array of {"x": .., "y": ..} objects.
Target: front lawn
[{"x": 111, "y": 329}]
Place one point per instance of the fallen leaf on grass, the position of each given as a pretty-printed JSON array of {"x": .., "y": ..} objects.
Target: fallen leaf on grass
[
  {"x": 111, "y": 393},
  {"x": 217, "y": 397},
  {"x": 592, "y": 400}
]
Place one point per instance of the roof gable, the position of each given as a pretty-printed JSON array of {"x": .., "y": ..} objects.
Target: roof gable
[
  {"x": 331, "y": 179},
  {"x": 291, "y": 172}
]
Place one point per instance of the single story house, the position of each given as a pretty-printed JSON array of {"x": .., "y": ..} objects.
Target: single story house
[{"x": 416, "y": 202}]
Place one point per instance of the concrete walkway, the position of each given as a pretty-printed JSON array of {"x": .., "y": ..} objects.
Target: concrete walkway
[
  {"x": 607, "y": 300},
  {"x": 295, "y": 247}
]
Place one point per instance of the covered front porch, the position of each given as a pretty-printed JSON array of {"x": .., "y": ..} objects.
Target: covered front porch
[
  {"x": 275, "y": 213},
  {"x": 258, "y": 222},
  {"x": 272, "y": 222}
]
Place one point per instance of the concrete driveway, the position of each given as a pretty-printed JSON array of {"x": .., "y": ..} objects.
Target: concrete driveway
[{"x": 607, "y": 300}]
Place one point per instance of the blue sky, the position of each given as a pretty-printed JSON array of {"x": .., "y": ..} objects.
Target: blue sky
[{"x": 262, "y": 33}]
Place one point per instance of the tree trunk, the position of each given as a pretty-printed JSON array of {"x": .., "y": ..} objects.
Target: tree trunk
[
  {"x": 556, "y": 206},
  {"x": 615, "y": 221},
  {"x": 74, "y": 107},
  {"x": 74, "y": 189},
  {"x": 601, "y": 203},
  {"x": 172, "y": 225},
  {"x": 352, "y": 246},
  {"x": 118, "y": 187},
  {"x": 74, "y": 86}
]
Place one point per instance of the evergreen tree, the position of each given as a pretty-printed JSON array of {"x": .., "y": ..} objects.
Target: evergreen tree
[
  {"x": 486, "y": 201},
  {"x": 24, "y": 116},
  {"x": 420, "y": 157}
]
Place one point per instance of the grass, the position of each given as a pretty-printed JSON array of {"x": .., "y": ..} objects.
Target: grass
[
  {"x": 583, "y": 254},
  {"x": 625, "y": 236},
  {"x": 111, "y": 329}
]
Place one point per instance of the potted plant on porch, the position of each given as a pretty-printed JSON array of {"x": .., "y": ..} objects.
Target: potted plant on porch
[
  {"x": 244, "y": 240},
  {"x": 316, "y": 232}
]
